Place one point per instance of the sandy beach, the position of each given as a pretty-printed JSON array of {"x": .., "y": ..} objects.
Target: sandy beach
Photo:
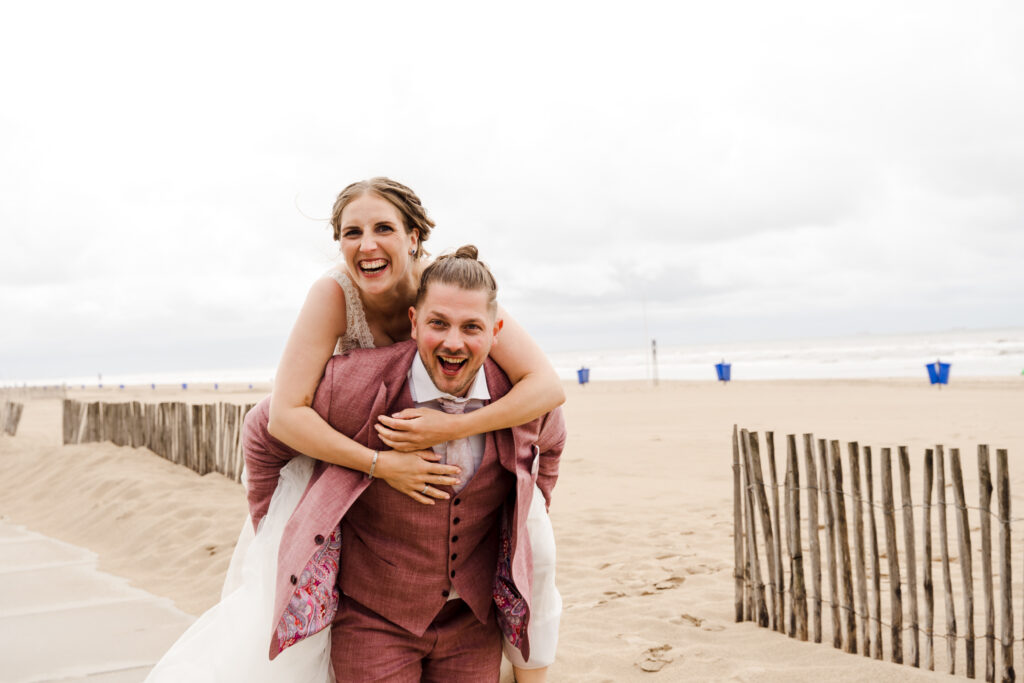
[{"x": 642, "y": 512}]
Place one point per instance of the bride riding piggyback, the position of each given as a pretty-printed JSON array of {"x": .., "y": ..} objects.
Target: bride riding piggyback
[{"x": 411, "y": 534}]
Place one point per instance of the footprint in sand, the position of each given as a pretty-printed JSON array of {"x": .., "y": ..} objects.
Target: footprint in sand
[
  {"x": 655, "y": 658},
  {"x": 696, "y": 621}
]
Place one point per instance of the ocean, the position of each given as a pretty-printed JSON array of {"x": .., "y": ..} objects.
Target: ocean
[{"x": 971, "y": 353}]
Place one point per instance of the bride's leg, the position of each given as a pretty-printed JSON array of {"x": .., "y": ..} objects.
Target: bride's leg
[
  {"x": 531, "y": 675},
  {"x": 546, "y": 607}
]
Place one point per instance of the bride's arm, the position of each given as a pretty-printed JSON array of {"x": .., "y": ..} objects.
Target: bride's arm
[
  {"x": 536, "y": 391},
  {"x": 293, "y": 422}
]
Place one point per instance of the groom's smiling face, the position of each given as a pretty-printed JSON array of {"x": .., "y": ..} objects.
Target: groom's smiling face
[{"x": 454, "y": 330}]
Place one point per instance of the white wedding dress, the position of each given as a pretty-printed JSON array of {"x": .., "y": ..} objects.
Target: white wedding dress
[{"x": 231, "y": 641}]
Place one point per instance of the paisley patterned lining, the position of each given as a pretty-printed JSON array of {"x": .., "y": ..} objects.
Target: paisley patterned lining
[
  {"x": 315, "y": 600},
  {"x": 513, "y": 612}
]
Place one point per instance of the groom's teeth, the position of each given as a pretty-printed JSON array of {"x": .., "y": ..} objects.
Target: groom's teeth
[{"x": 446, "y": 359}]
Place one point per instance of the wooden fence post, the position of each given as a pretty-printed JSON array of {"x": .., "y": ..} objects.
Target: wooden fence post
[
  {"x": 895, "y": 590},
  {"x": 858, "y": 543},
  {"x": 929, "y": 589},
  {"x": 812, "y": 532},
  {"x": 65, "y": 424},
  {"x": 963, "y": 534},
  {"x": 799, "y": 606},
  {"x": 985, "y": 503},
  {"x": 830, "y": 534},
  {"x": 780, "y": 594},
  {"x": 737, "y": 525},
  {"x": 760, "y": 608},
  {"x": 876, "y": 572},
  {"x": 787, "y": 483},
  {"x": 911, "y": 548},
  {"x": 1006, "y": 673},
  {"x": 843, "y": 539},
  {"x": 947, "y": 581},
  {"x": 766, "y": 520},
  {"x": 138, "y": 425}
]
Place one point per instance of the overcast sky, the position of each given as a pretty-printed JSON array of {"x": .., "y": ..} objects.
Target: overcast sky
[{"x": 728, "y": 171}]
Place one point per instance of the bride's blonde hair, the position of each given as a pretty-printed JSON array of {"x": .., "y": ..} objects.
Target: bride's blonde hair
[{"x": 398, "y": 195}]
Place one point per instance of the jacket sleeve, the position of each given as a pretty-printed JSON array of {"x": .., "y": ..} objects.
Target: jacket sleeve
[
  {"x": 265, "y": 455},
  {"x": 550, "y": 443},
  {"x": 264, "y": 458}
]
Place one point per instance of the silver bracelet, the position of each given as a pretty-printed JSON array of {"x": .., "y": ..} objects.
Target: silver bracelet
[{"x": 373, "y": 465}]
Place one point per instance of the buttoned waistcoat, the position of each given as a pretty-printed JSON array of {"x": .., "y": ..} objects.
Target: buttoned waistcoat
[{"x": 356, "y": 388}]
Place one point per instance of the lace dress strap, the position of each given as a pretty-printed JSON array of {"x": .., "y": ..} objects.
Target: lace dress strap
[{"x": 357, "y": 330}]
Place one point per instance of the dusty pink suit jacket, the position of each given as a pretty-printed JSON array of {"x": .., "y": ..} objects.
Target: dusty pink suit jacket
[{"x": 356, "y": 388}]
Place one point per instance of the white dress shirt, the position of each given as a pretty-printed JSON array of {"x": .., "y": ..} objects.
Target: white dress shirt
[{"x": 425, "y": 395}]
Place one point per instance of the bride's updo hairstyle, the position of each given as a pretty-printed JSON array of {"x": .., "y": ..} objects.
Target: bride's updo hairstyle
[
  {"x": 463, "y": 270},
  {"x": 398, "y": 195}
]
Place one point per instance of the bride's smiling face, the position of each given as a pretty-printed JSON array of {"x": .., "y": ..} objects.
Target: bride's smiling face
[{"x": 375, "y": 243}]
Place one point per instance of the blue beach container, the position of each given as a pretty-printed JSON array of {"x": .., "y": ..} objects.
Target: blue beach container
[
  {"x": 938, "y": 372},
  {"x": 583, "y": 375},
  {"x": 724, "y": 371}
]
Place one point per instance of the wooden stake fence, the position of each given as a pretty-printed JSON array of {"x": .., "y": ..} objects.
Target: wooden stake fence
[
  {"x": 204, "y": 438},
  {"x": 848, "y": 572},
  {"x": 10, "y": 416}
]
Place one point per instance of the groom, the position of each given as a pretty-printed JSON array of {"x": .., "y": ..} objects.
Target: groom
[{"x": 419, "y": 592}]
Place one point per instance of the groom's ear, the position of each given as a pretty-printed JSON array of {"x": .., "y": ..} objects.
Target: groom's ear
[{"x": 412, "y": 320}]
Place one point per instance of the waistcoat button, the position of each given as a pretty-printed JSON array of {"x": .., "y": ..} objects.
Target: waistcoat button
[
  {"x": 445, "y": 594},
  {"x": 453, "y": 573},
  {"x": 455, "y": 539},
  {"x": 455, "y": 521},
  {"x": 454, "y": 555},
  {"x": 294, "y": 580},
  {"x": 319, "y": 540},
  {"x": 457, "y": 501}
]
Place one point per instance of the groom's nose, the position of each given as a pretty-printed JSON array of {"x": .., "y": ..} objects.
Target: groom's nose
[{"x": 453, "y": 340}]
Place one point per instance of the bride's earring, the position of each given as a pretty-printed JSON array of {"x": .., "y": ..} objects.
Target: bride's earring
[{"x": 412, "y": 252}]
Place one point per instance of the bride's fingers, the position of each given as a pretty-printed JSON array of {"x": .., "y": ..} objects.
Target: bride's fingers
[
  {"x": 435, "y": 493},
  {"x": 397, "y": 423},
  {"x": 419, "y": 497},
  {"x": 391, "y": 434}
]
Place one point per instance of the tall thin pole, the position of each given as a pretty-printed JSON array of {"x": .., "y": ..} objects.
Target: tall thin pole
[{"x": 654, "y": 360}]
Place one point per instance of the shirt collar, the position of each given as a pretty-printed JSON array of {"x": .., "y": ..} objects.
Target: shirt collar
[{"x": 423, "y": 390}]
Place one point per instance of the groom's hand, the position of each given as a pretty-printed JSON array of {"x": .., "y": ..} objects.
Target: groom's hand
[{"x": 417, "y": 474}]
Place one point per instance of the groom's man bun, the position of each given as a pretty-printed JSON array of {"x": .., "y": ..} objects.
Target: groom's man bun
[{"x": 461, "y": 268}]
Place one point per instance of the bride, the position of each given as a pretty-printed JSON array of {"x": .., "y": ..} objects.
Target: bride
[{"x": 381, "y": 226}]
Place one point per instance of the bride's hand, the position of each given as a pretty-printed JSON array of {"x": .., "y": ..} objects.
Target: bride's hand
[
  {"x": 417, "y": 428},
  {"x": 417, "y": 474}
]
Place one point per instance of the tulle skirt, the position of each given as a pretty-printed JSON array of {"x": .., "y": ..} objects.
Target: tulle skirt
[{"x": 231, "y": 641}]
